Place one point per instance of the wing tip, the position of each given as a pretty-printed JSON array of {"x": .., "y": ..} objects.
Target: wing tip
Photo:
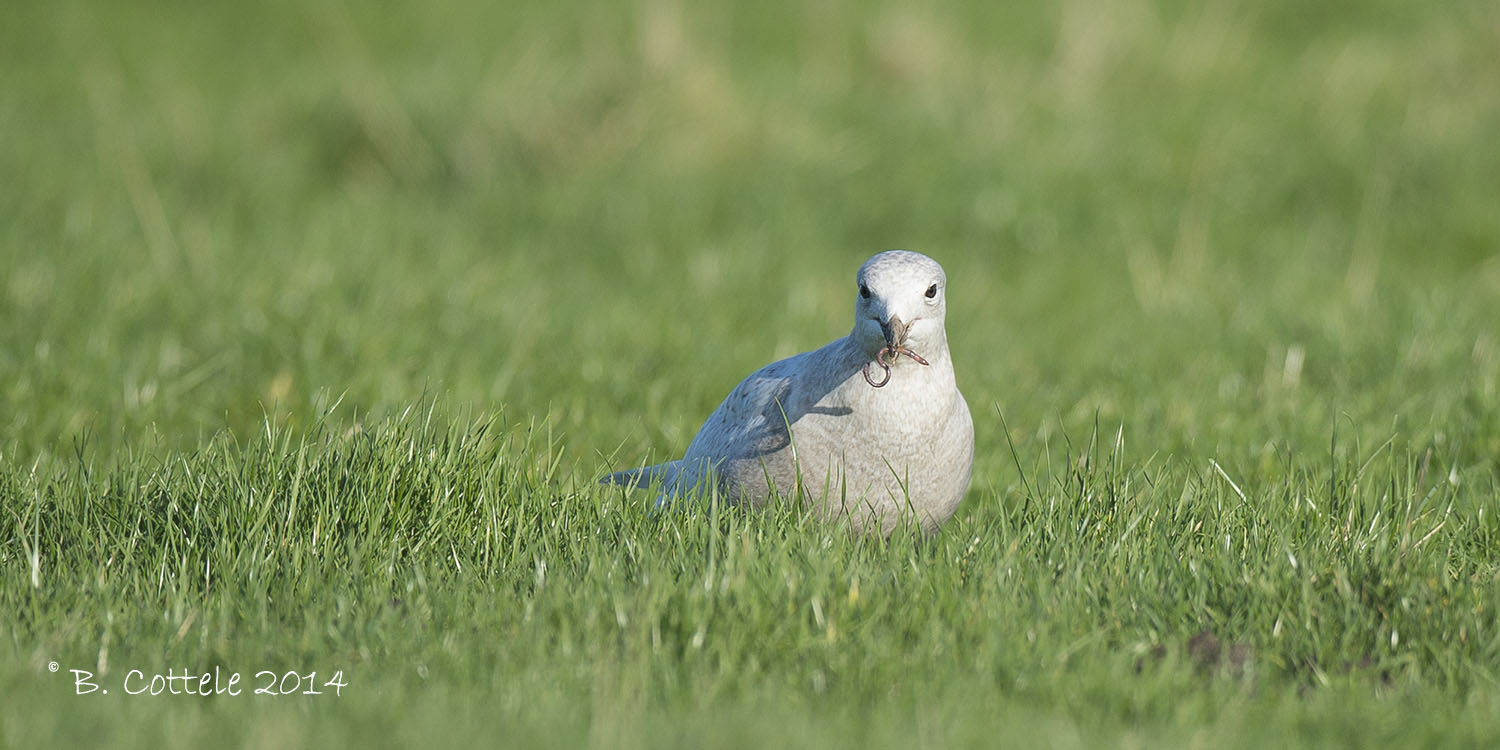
[{"x": 640, "y": 477}]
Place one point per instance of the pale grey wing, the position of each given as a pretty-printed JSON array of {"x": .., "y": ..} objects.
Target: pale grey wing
[
  {"x": 747, "y": 421},
  {"x": 751, "y": 421}
]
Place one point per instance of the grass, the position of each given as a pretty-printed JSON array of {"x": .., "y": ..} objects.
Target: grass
[{"x": 318, "y": 321}]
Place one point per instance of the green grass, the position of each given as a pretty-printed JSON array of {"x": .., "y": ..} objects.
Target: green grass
[{"x": 318, "y": 321}]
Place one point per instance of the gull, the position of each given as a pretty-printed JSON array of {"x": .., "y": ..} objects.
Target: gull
[{"x": 869, "y": 429}]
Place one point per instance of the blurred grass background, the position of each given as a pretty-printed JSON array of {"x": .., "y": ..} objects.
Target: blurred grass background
[
  {"x": 1196, "y": 218},
  {"x": 1232, "y": 231}
]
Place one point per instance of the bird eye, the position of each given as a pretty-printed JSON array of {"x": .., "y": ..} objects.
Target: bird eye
[
  {"x": 864, "y": 291},
  {"x": 932, "y": 291}
]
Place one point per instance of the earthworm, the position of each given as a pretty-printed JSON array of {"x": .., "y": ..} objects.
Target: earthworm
[{"x": 880, "y": 360}]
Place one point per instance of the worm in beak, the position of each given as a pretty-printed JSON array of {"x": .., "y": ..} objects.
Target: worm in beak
[{"x": 895, "y": 345}]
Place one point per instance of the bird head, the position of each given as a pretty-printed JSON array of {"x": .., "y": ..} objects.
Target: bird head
[{"x": 900, "y": 304}]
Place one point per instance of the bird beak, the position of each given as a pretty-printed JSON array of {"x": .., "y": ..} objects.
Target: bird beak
[{"x": 895, "y": 332}]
